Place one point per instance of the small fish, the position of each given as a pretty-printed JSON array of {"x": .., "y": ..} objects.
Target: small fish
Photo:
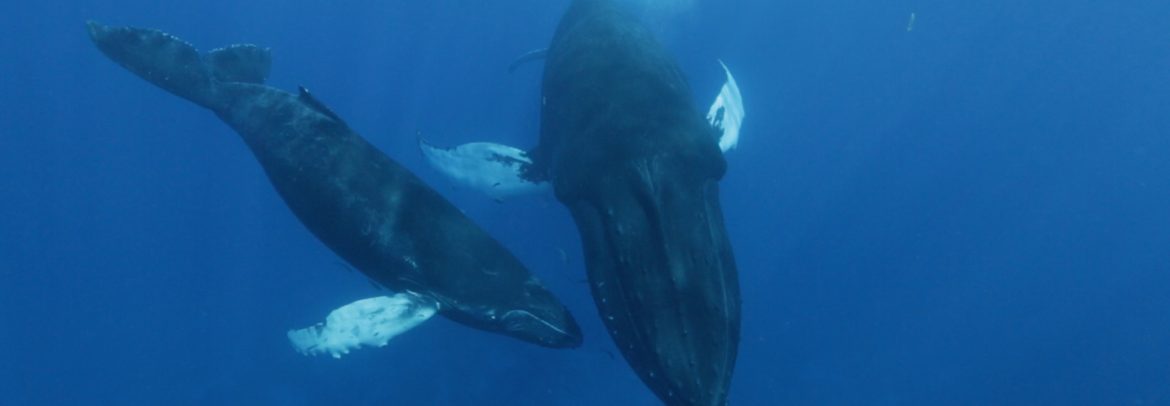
[{"x": 910, "y": 25}]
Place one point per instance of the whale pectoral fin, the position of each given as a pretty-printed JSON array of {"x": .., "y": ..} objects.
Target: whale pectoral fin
[
  {"x": 368, "y": 322},
  {"x": 726, "y": 113},
  {"x": 493, "y": 169}
]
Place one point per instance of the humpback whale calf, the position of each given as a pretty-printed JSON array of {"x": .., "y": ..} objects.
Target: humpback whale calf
[
  {"x": 365, "y": 207},
  {"x": 638, "y": 166}
]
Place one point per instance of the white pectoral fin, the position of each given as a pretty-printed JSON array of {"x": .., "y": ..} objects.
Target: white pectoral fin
[
  {"x": 493, "y": 169},
  {"x": 726, "y": 113},
  {"x": 365, "y": 323}
]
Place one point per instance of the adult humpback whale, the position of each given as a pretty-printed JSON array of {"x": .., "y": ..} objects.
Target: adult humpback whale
[
  {"x": 639, "y": 168},
  {"x": 364, "y": 206},
  {"x": 625, "y": 149}
]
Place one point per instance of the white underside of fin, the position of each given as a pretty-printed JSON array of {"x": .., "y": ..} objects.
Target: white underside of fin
[
  {"x": 730, "y": 103},
  {"x": 493, "y": 169},
  {"x": 365, "y": 323}
]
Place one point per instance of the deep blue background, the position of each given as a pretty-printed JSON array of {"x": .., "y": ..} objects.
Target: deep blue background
[{"x": 972, "y": 212}]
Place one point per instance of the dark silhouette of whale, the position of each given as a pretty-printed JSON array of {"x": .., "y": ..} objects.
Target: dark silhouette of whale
[
  {"x": 623, "y": 147},
  {"x": 368, "y": 209},
  {"x": 638, "y": 167}
]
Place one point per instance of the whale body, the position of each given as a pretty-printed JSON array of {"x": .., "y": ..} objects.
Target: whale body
[
  {"x": 365, "y": 207},
  {"x": 638, "y": 166}
]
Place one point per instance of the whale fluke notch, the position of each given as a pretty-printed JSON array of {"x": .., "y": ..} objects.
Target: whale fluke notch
[
  {"x": 368, "y": 322},
  {"x": 240, "y": 63}
]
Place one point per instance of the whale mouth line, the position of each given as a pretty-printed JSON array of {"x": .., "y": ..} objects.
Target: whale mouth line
[{"x": 511, "y": 313}]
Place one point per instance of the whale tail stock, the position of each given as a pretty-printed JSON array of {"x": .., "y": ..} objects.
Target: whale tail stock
[{"x": 176, "y": 66}]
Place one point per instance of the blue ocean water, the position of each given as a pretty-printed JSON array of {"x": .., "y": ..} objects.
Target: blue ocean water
[{"x": 971, "y": 211}]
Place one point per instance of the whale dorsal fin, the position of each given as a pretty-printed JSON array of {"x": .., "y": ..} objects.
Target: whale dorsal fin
[
  {"x": 245, "y": 63},
  {"x": 315, "y": 104}
]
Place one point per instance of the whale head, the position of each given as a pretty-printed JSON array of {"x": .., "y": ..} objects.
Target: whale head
[
  {"x": 662, "y": 272},
  {"x": 542, "y": 320},
  {"x": 533, "y": 315}
]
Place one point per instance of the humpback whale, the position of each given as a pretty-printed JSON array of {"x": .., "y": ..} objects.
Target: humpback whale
[
  {"x": 364, "y": 206},
  {"x": 638, "y": 166}
]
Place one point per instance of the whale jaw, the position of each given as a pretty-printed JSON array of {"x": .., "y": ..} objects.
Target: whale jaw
[{"x": 663, "y": 276}]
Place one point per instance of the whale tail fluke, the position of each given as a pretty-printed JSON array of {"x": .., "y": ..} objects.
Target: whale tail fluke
[
  {"x": 176, "y": 66},
  {"x": 245, "y": 63}
]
